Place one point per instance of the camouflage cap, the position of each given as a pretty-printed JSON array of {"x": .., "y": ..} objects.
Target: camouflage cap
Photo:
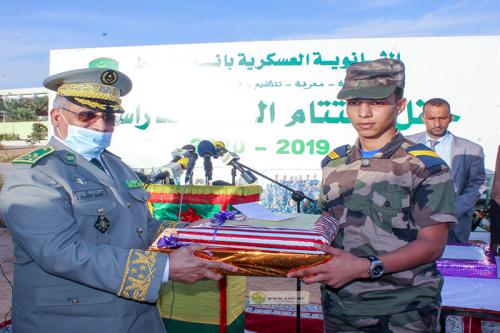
[
  {"x": 98, "y": 89},
  {"x": 374, "y": 79}
]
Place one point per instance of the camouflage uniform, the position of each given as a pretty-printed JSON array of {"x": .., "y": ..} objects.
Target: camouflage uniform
[{"x": 381, "y": 203}]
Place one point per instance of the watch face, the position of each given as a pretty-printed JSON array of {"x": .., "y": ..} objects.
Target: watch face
[
  {"x": 376, "y": 267},
  {"x": 377, "y": 270}
]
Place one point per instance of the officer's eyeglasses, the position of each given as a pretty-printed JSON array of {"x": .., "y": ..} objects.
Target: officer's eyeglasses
[{"x": 92, "y": 116}]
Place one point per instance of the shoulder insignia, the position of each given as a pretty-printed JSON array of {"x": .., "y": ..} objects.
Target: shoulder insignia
[
  {"x": 34, "y": 156},
  {"x": 110, "y": 153},
  {"x": 336, "y": 153},
  {"x": 429, "y": 157}
]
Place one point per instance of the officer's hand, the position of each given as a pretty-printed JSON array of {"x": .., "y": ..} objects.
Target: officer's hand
[
  {"x": 187, "y": 268},
  {"x": 341, "y": 269}
]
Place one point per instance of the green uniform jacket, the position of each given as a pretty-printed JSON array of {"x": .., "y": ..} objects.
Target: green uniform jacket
[{"x": 381, "y": 203}]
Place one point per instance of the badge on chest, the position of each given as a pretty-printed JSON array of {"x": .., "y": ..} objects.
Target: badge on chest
[{"x": 102, "y": 223}]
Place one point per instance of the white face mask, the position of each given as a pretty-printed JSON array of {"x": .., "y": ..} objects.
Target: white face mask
[{"x": 86, "y": 142}]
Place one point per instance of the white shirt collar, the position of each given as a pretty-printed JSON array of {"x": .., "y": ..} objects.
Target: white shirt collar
[{"x": 444, "y": 139}]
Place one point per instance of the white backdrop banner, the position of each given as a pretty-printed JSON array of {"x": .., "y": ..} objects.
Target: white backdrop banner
[{"x": 274, "y": 103}]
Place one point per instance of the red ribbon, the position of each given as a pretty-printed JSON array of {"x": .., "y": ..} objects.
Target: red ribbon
[{"x": 223, "y": 305}]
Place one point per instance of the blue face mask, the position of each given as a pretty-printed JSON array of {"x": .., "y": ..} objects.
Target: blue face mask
[{"x": 87, "y": 142}]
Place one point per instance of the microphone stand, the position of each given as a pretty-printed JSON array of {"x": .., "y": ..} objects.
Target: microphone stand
[
  {"x": 233, "y": 175},
  {"x": 188, "y": 180},
  {"x": 207, "y": 165},
  {"x": 298, "y": 197}
]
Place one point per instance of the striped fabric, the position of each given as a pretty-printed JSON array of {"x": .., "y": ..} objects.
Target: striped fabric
[
  {"x": 327, "y": 225},
  {"x": 262, "y": 238}
]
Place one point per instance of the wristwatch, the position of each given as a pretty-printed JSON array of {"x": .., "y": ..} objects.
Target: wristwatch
[{"x": 376, "y": 269}]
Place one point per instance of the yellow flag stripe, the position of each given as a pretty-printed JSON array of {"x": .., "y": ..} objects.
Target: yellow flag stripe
[
  {"x": 333, "y": 155},
  {"x": 424, "y": 153}
]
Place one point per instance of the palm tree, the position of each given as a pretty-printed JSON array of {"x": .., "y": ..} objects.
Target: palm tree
[
  {"x": 40, "y": 105},
  {"x": 24, "y": 109},
  {"x": 9, "y": 105},
  {"x": 22, "y": 114}
]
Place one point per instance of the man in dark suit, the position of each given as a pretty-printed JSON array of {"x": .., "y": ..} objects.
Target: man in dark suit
[{"x": 465, "y": 159}]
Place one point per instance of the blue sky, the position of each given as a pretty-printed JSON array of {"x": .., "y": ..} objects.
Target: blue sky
[{"x": 30, "y": 28}]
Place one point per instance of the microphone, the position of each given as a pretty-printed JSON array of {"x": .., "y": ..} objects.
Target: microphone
[
  {"x": 172, "y": 170},
  {"x": 189, "y": 148},
  {"x": 179, "y": 153},
  {"x": 206, "y": 149},
  {"x": 192, "y": 156},
  {"x": 220, "y": 148},
  {"x": 230, "y": 158}
]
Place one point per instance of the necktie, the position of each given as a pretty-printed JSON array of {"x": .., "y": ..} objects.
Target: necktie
[
  {"x": 96, "y": 162},
  {"x": 433, "y": 144}
]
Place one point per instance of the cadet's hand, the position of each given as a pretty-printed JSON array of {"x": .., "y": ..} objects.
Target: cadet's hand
[
  {"x": 341, "y": 269},
  {"x": 187, "y": 268}
]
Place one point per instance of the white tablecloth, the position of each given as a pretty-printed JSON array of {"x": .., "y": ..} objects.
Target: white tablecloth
[{"x": 471, "y": 293}]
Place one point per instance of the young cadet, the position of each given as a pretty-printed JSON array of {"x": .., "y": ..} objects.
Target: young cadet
[{"x": 393, "y": 203}]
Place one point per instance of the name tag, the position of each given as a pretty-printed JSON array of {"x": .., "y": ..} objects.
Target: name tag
[
  {"x": 90, "y": 194},
  {"x": 134, "y": 183}
]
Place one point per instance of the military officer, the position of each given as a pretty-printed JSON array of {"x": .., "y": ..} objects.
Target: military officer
[
  {"x": 80, "y": 225},
  {"x": 392, "y": 201}
]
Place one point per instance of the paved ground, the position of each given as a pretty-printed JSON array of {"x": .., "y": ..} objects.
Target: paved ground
[{"x": 253, "y": 283}]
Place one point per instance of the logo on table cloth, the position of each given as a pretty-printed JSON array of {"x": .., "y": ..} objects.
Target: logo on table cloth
[{"x": 259, "y": 297}]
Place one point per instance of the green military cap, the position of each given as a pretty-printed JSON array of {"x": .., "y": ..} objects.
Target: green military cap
[
  {"x": 374, "y": 79},
  {"x": 97, "y": 89}
]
